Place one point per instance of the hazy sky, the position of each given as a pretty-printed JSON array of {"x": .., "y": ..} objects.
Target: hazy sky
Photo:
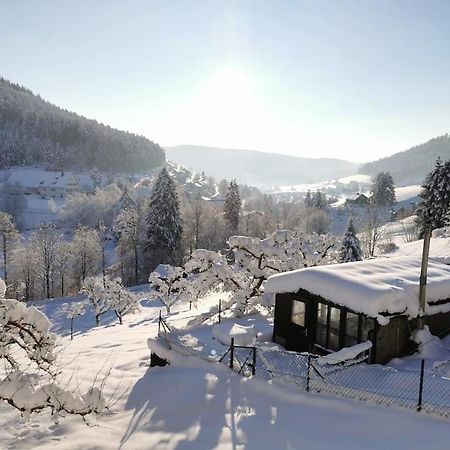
[{"x": 349, "y": 79}]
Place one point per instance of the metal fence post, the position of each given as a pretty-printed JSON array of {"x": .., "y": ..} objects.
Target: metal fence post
[
  {"x": 422, "y": 372},
  {"x": 232, "y": 354},
  {"x": 254, "y": 361},
  {"x": 159, "y": 323},
  {"x": 220, "y": 309},
  {"x": 308, "y": 373}
]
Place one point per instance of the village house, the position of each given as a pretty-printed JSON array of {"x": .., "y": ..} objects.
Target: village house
[
  {"x": 358, "y": 200},
  {"x": 46, "y": 184},
  {"x": 324, "y": 309}
]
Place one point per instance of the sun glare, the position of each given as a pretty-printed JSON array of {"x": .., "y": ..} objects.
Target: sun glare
[{"x": 226, "y": 106}]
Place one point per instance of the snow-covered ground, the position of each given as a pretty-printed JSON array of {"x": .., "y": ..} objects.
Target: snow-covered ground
[{"x": 194, "y": 404}]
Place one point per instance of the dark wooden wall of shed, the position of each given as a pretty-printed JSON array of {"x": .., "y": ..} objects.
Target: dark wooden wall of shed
[
  {"x": 393, "y": 340},
  {"x": 439, "y": 324},
  {"x": 287, "y": 333}
]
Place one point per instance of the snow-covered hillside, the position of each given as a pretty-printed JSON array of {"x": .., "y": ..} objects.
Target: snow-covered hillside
[{"x": 193, "y": 404}]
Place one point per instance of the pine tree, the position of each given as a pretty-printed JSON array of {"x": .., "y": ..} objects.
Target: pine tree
[
  {"x": 319, "y": 200},
  {"x": 232, "y": 208},
  {"x": 164, "y": 224},
  {"x": 309, "y": 200},
  {"x": 9, "y": 237},
  {"x": 351, "y": 249},
  {"x": 383, "y": 190},
  {"x": 434, "y": 207}
]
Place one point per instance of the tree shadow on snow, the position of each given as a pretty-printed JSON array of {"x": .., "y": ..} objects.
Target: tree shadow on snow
[{"x": 186, "y": 408}]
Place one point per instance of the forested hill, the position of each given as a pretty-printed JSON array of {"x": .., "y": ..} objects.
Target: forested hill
[
  {"x": 35, "y": 132},
  {"x": 411, "y": 166},
  {"x": 257, "y": 168}
]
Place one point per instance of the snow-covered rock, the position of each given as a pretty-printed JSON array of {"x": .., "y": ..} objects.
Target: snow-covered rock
[{"x": 242, "y": 335}]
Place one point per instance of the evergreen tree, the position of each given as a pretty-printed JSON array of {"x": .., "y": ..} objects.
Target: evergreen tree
[
  {"x": 319, "y": 200},
  {"x": 351, "y": 249},
  {"x": 232, "y": 208},
  {"x": 383, "y": 190},
  {"x": 164, "y": 224},
  {"x": 9, "y": 237},
  {"x": 308, "y": 200},
  {"x": 434, "y": 207}
]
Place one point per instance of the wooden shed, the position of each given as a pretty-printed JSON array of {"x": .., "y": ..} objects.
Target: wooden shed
[{"x": 324, "y": 309}]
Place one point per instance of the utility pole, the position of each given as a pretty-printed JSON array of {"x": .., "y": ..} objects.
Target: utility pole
[{"x": 423, "y": 277}]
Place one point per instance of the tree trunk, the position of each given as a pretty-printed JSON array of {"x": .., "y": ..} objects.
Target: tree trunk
[
  {"x": 62, "y": 284},
  {"x": 119, "y": 316},
  {"x": 5, "y": 259}
]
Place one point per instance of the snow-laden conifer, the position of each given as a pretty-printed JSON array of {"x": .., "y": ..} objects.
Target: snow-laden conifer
[
  {"x": 164, "y": 224},
  {"x": 232, "y": 207},
  {"x": 383, "y": 190},
  {"x": 435, "y": 198},
  {"x": 351, "y": 248}
]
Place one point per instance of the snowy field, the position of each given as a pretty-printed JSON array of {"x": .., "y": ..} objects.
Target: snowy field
[{"x": 193, "y": 404}]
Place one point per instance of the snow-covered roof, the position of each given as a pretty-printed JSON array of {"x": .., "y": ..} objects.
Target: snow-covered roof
[
  {"x": 33, "y": 177},
  {"x": 374, "y": 287}
]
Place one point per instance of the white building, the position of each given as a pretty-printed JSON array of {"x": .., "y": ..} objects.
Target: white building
[{"x": 46, "y": 184}]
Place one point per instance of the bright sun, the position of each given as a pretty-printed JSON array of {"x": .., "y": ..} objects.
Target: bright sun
[{"x": 226, "y": 107}]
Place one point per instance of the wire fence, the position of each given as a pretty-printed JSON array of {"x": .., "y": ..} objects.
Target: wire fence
[{"x": 417, "y": 388}]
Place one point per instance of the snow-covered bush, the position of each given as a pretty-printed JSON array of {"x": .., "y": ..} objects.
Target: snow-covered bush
[
  {"x": 27, "y": 348},
  {"x": 121, "y": 300},
  {"x": 94, "y": 288},
  {"x": 106, "y": 294},
  {"x": 75, "y": 310},
  {"x": 169, "y": 284},
  {"x": 254, "y": 261},
  {"x": 257, "y": 259}
]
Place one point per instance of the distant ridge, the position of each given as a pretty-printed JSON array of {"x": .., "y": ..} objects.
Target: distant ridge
[
  {"x": 411, "y": 166},
  {"x": 36, "y": 132},
  {"x": 258, "y": 168}
]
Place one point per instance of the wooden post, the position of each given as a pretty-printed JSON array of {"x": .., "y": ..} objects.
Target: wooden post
[
  {"x": 232, "y": 354},
  {"x": 308, "y": 373},
  {"x": 422, "y": 372},
  {"x": 254, "y": 361},
  {"x": 423, "y": 277}
]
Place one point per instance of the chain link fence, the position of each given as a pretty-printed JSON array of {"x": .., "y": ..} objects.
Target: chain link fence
[
  {"x": 420, "y": 388},
  {"x": 415, "y": 388}
]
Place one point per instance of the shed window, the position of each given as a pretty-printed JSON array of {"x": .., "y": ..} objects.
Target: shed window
[
  {"x": 351, "y": 329},
  {"x": 298, "y": 313},
  {"x": 327, "y": 329},
  {"x": 321, "y": 330},
  {"x": 333, "y": 328},
  {"x": 366, "y": 325}
]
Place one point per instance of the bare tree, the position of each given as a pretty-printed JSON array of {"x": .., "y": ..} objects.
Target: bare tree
[
  {"x": 44, "y": 243},
  {"x": 87, "y": 251},
  {"x": 373, "y": 220},
  {"x": 63, "y": 262},
  {"x": 24, "y": 269}
]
